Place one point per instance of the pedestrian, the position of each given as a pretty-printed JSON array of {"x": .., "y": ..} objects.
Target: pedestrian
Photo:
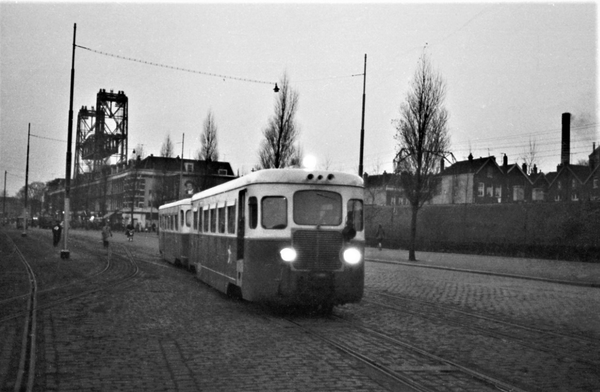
[
  {"x": 380, "y": 234},
  {"x": 105, "y": 234},
  {"x": 129, "y": 230},
  {"x": 56, "y": 230}
]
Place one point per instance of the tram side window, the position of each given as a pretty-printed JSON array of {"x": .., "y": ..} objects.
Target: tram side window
[
  {"x": 274, "y": 212},
  {"x": 206, "y": 220},
  {"x": 355, "y": 213},
  {"x": 175, "y": 221},
  {"x": 221, "y": 219},
  {"x": 195, "y": 227},
  {"x": 231, "y": 219},
  {"x": 188, "y": 218},
  {"x": 181, "y": 218},
  {"x": 253, "y": 212},
  {"x": 213, "y": 220}
]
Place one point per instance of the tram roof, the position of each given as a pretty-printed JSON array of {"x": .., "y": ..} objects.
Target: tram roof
[
  {"x": 285, "y": 176},
  {"x": 176, "y": 203}
]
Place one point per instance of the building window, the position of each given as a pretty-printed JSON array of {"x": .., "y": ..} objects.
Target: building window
[
  {"x": 574, "y": 196},
  {"x": 189, "y": 167},
  {"x": 559, "y": 185},
  {"x": 573, "y": 184},
  {"x": 557, "y": 198},
  {"x": 498, "y": 191},
  {"x": 595, "y": 183},
  {"x": 481, "y": 189},
  {"x": 489, "y": 191},
  {"x": 537, "y": 194},
  {"x": 490, "y": 172},
  {"x": 518, "y": 193}
]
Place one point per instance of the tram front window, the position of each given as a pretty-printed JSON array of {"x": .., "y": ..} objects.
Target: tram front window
[
  {"x": 274, "y": 212},
  {"x": 314, "y": 207}
]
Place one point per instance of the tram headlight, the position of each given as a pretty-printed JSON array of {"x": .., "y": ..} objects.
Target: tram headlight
[
  {"x": 352, "y": 256},
  {"x": 288, "y": 254}
]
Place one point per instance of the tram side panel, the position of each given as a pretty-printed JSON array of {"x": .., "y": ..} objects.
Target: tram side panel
[
  {"x": 214, "y": 259},
  {"x": 262, "y": 269}
]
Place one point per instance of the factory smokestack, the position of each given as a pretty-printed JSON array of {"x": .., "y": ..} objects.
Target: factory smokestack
[{"x": 565, "y": 151}]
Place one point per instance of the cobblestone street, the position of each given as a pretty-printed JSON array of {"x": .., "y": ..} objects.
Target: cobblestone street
[{"x": 164, "y": 330}]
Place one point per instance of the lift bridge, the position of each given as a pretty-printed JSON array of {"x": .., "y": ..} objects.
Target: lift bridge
[{"x": 101, "y": 133}]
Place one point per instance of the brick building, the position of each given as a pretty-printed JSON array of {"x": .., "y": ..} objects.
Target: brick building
[{"x": 136, "y": 188}]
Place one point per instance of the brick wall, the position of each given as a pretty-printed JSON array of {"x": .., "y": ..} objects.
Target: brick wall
[{"x": 548, "y": 230}]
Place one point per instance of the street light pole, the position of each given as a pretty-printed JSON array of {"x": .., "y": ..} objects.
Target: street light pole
[
  {"x": 362, "y": 124},
  {"x": 64, "y": 253},
  {"x": 24, "y": 233}
]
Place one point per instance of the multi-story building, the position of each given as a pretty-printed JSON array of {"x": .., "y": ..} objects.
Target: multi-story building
[{"x": 133, "y": 191}]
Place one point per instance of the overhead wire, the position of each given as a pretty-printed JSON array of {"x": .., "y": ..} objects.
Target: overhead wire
[{"x": 174, "y": 67}]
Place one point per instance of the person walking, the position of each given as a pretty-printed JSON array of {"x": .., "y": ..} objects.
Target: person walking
[
  {"x": 105, "y": 234},
  {"x": 129, "y": 230},
  {"x": 380, "y": 235},
  {"x": 56, "y": 230}
]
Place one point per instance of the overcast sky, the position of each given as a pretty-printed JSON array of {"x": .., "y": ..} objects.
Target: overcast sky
[{"x": 511, "y": 70}]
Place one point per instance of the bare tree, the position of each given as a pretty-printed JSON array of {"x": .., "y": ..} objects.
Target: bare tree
[
  {"x": 35, "y": 195},
  {"x": 209, "y": 149},
  {"x": 422, "y": 136},
  {"x": 277, "y": 150},
  {"x": 167, "y": 148},
  {"x": 139, "y": 151},
  {"x": 529, "y": 158}
]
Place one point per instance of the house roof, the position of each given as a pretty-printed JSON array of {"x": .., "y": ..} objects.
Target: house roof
[
  {"x": 581, "y": 172},
  {"x": 174, "y": 164},
  {"x": 470, "y": 166}
]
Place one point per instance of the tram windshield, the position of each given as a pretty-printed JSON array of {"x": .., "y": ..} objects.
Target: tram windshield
[{"x": 315, "y": 207}]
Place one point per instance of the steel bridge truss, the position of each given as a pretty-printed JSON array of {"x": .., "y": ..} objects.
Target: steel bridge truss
[{"x": 102, "y": 133}]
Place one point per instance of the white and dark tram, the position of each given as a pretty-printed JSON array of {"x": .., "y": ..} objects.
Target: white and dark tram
[{"x": 287, "y": 236}]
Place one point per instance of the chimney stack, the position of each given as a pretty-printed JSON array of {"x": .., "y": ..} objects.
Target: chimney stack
[{"x": 565, "y": 150}]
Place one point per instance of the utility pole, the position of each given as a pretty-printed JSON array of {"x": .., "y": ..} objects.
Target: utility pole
[
  {"x": 4, "y": 202},
  {"x": 64, "y": 253},
  {"x": 362, "y": 124},
  {"x": 179, "y": 195},
  {"x": 24, "y": 233}
]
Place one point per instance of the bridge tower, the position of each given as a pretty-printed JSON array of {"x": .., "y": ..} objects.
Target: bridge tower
[{"x": 102, "y": 133}]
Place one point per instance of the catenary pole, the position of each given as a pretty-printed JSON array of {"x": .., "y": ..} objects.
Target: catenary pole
[
  {"x": 4, "y": 202},
  {"x": 64, "y": 253},
  {"x": 362, "y": 123},
  {"x": 24, "y": 234},
  {"x": 180, "y": 194}
]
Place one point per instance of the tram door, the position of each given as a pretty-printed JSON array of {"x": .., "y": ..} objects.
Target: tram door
[{"x": 241, "y": 224}]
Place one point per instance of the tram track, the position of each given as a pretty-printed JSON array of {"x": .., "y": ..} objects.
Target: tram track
[
  {"x": 444, "y": 309},
  {"x": 398, "y": 365},
  {"x": 112, "y": 275},
  {"x": 557, "y": 345},
  {"x": 26, "y": 369},
  {"x": 488, "y": 273}
]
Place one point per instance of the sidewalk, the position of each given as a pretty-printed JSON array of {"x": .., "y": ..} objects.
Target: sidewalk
[{"x": 587, "y": 274}]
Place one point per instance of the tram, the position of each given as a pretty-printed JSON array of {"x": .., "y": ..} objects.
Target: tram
[
  {"x": 286, "y": 236},
  {"x": 174, "y": 230}
]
